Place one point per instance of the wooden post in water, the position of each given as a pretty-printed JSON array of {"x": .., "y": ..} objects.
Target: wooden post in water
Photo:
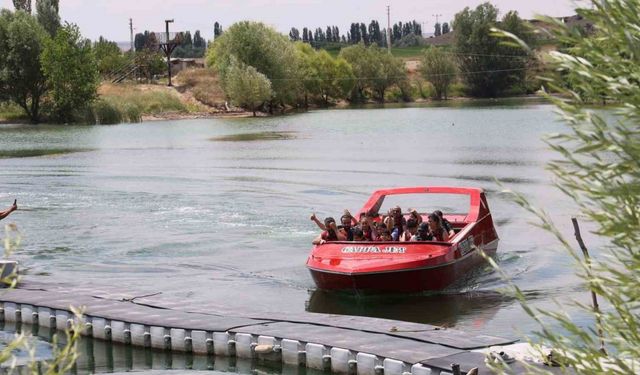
[{"x": 594, "y": 298}]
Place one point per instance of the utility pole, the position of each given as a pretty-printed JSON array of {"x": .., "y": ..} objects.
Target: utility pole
[
  {"x": 167, "y": 48},
  {"x": 131, "y": 31},
  {"x": 389, "y": 28},
  {"x": 437, "y": 16}
]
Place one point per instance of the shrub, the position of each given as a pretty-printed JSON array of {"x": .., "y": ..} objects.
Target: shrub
[
  {"x": 457, "y": 89},
  {"x": 106, "y": 113}
]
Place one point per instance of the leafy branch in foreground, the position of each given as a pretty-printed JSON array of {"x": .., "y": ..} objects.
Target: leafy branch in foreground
[
  {"x": 64, "y": 355},
  {"x": 599, "y": 169}
]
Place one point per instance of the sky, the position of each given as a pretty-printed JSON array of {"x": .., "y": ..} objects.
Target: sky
[{"x": 110, "y": 18}]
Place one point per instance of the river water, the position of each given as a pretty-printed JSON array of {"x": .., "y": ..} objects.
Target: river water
[{"x": 218, "y": 209}]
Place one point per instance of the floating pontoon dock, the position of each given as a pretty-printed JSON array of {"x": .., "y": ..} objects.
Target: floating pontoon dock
[{"x": 336, "y": 343}]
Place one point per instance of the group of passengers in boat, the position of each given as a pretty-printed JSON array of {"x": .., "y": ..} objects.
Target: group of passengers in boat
[{"x": 394, "y": 226}]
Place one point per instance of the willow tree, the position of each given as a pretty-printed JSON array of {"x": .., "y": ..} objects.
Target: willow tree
[
  {"x": 246, "y": 87},
  {"x": 599, "y": 169},
  {"x": 438, "y": 68},
  {"x": 260, "y": 46}
]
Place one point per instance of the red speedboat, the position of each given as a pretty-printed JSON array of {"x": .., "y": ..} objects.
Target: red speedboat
[{"x": 408, "y": 266}]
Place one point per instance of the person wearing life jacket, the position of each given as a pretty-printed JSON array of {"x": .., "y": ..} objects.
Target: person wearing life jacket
[
  {"x": 348, "y": 225},
  {"x": 9, "y": 210},
  {"x": 358, "y": 235},
  {"x": 396, "y": 223},
  {"x": 414, "y": 214},
  {"x": 385, "y": 235},
  {"x": 366, "y": 226},
  {"x": 422, "y": 233},
  {"x": 445, "y": 223},
  {"x": 330, "y": 233},
  {"x": 412, "y": 229},
  {"x": 435, "y": 228}
]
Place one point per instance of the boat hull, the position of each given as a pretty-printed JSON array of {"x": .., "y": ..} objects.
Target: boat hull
[{"x": 404, "y": 281}]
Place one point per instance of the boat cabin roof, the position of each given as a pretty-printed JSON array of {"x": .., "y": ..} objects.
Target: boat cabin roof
[{"x": 478, "y": 206}]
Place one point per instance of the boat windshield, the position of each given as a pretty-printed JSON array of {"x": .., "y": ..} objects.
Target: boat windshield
[{"x": 457, "y": 204}]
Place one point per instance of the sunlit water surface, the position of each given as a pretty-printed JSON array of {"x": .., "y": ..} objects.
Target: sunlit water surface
[{"x": 218, "y": 209}]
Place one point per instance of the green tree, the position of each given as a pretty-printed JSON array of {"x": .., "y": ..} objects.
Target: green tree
[
  {"x": 445, "y": 28},
  {"x": 246, "y": 87},
  {"x": 489, "y": 67},
  {"x": 391, "y": 71},
  {"x": 437, "y": 29},
  {"x": 374, "y": 69},
  {"x": 47, "y": 14},
  {"x": 199, "y": 41},
  {"x": 21, "y": 77},
  {"x": 188, "y": 40},
  {"x": 24, "y": 5},
  {"x": 69, "y": 65},
  {"x": 335, "y": 78},
  {"x": 364, "y": 69},
  {"x": 306, "y": 74},
  {"x": 438, "y": 68},
  {"x": 217, "y": 30},
  {"x": 257, "y": 45},
  {"x": 598, "y": 168},
  {"x": 294, "y": 34},
  {"x": 108, "y": 56}
]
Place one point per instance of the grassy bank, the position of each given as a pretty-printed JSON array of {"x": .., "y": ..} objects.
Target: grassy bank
[
  {"x": 131, "y": 102},
  {"x": 11, "y": 112}
]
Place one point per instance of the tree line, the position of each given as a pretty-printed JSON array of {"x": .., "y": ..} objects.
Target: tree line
[
  {"x": 261, "y": 69},
  {"x": 357, "y": 33},
  {"x": 188, "y": 46}
]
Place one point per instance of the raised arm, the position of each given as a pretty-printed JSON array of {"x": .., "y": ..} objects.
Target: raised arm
[
  {"x": 320, "y": 224},
  {"x": 9, "y": 210}
]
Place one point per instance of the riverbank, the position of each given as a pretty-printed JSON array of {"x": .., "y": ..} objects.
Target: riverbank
[{"x": 197, "y": 94}]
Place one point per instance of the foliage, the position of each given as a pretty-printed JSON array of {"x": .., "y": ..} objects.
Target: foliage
[
  {"x": 47, "y": 15},
  {"x": 373, "y": 69},
  {"x": 23, "y": 5},
  {"x": 70, "y": 68},
  {"x": 217, "y": 30},
  {"x": 600, "y": 171},
  {"x": 152, "y": 63},
  {"x": 11, "y": 111},
  {"x": 410, "y": 40},
  {"x": 104, "y": 113},
  {"x": 132, "y": 101},
  {"x": 487, "y": 66},
  {"x": 246, "y": 87},
  {"x": 257, "y": 45},
  {"x": 21, "y": 77},
  {"x": 108, "y": 56},
  {"x": 438, "y": 68},
  {"x": 64, "y": 356},
  {"x": 445, "y": 28},
  {"x": 323, "y": 78},
  {"x": 364, "y": 69}
]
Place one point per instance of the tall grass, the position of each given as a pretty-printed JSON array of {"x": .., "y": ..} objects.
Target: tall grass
[
  {"x": 128, "y": 103},
  {"x": 11, "y": 111},
  {"x": 203, "y": 84}
]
